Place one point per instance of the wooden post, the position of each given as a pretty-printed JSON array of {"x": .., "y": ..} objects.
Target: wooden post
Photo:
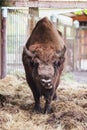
[
  {"x": 34, "y": 13},
  {"x": 0, "y": 44},
  {"x": 76, "y": 49},
  {"x": 66, "y": 61},
  {"x": 3, "y": 42}
]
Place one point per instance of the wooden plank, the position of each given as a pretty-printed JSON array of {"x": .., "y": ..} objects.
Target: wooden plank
[
  {"x": 52, "y": 4},
  {"x": 81, "y": 18}
]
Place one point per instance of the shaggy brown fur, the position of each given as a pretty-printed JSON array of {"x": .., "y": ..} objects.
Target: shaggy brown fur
[
  {"x": 46, "y": 34},
  {"x": 43, "y": 59}
]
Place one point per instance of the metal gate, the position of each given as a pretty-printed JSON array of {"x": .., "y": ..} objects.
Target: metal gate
[
  {"x": 17, "y": 22},
  {"x": 19, "y": 27}
]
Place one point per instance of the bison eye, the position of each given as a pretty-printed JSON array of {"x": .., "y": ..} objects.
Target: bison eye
[
  {"x": 57, "y": 63},
  {"x": 33, "y": 64}
]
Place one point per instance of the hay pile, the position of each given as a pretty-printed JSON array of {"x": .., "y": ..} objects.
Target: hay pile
[{"x": 69, "y": 111}]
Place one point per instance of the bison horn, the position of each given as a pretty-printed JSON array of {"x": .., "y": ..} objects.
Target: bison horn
[
  {"x": 28, "y": 52},
  {"x": 61, "y": 53}
]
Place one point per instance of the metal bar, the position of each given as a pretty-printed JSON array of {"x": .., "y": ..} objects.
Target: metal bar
[{"x": 52, "y": 4}]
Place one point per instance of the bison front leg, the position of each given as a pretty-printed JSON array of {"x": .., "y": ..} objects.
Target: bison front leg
[
  {"x": 37, "y": 107},
  {"x": 36, "y": 96}
]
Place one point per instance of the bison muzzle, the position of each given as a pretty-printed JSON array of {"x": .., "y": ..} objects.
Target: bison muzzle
[{"x": 43, "y": 59}]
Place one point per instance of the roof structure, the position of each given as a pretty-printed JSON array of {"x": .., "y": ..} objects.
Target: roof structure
[
  {"x": 48, "y": 3},
  {"x": 80, "y": 15}
]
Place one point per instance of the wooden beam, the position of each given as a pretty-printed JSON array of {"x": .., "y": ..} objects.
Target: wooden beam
[
  {"x": 82, "y": 18},
  {"x": 52, "y": 4}
]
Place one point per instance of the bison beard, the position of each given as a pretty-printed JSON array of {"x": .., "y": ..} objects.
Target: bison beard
[{"x": 43, "y": 60}]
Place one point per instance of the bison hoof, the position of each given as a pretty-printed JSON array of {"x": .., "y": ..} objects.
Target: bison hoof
[
  {"x": 2, "y": 100},
  {"x": 37, "y": 109},
  {"x": 48, "y": 111}
]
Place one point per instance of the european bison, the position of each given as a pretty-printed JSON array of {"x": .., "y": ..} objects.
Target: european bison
[{"x": 43, "y": 60}]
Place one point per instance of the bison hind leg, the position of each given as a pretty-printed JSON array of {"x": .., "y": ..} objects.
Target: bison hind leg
[{"x": 48, "y": 109}]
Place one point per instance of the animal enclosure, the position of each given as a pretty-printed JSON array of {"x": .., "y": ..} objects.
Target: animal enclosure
[
  {"x": 70, "y": 110},
  {"x": 19, "y": 26}
]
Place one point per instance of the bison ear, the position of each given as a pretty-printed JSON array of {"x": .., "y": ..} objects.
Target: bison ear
[
  {"x": 60, "y": 33},
  {"x": 61, "y": 53}
]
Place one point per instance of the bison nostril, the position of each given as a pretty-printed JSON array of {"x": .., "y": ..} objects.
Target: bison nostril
[
  {"x": 46, "y": 83},
  {"x": 46, "y": 80},
  {"x": 49, "y": 84}
]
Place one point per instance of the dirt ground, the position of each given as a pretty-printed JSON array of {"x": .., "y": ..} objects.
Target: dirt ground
[{"x": 69, "y": 110}]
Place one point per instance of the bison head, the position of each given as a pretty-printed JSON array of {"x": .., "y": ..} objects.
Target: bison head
[{"x": 44, "y": 63}]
